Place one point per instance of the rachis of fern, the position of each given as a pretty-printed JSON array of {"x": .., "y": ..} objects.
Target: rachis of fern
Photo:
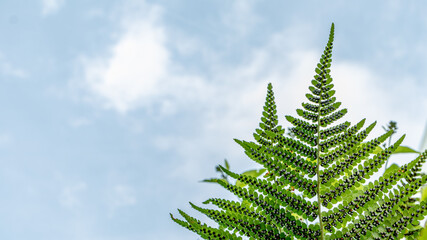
[{"x": 319, "y": 185}]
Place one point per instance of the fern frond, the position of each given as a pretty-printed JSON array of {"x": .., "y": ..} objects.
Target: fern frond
[
  {"x": 329, "y": 132},
  {"x": 277, "y": 158},
  {"x": 296, "y": 146},
  {"x": 202, "y": 229},
  {"x": 375, "y": 194},
  {"x": 311, "y": 128},
  {"x": 346, "y": 147},
  {"x": 289, "y": 200},
  {"x": 333, "y": 141},
  {"x": 269, "y": 121},
  {"x": 318, "y": 184},
  {"x": 348, "y": 184},
  {"x": 346, "y": 164}
]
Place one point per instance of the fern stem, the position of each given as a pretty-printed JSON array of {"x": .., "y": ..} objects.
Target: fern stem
[{"x": 322, "y": 237}]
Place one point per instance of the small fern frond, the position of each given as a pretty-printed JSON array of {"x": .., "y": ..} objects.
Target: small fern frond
[
  {"x": 202, "y": 229},
  {"x": 269, "y": 121}
]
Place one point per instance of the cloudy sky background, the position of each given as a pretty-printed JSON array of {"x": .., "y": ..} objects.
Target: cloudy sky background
[{"x": 112, "y": 111}]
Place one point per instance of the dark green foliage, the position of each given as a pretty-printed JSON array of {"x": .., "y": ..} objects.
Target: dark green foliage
[{"x": 318, "y": 184}]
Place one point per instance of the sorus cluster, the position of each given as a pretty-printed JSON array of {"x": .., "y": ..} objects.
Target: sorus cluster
[
  {"x": 278, "y": 214},
  {"x": 297, "y": 146},
  {"x": 309, "y": 116},
  {"x": 379, "y": 215},
  {"x": 288, "y": 157},
  {"x": 327, "y": 102},
  {"x": 302, "y": 124},
  {"x": 351, "y": 160},
  {"x": 313, "y": 98},
  {"x": 331, "y": 118},
  {"x": 326, "y": 110},
  {"x": 304, "y": 135},
  {"x": 332, "y": 142},
  {"x": 326, "y": 159},
  {"x": 292, "y": 200},
  {"x": 327, "y": 95},
  {"x": 334, "y": 130},
  {"x": 315, "y": 91},
  {"x": 311, "y": 107}
]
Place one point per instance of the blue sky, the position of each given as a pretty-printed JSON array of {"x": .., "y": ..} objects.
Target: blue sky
[{"x": 112, "y": 111}]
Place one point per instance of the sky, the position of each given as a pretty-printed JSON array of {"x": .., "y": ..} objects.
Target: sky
[{"x": 113, "y": 111}]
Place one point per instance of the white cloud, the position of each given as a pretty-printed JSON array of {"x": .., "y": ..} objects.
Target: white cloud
[
  {"x": 139, "y": 61},
  {"x": 7, "y": 69},
  {"x": 51, "y": 6},
  {"x": 70, "y": 195},
  {"x": 138, "y": 71}
]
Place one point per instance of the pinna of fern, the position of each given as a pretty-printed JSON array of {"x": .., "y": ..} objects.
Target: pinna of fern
[{"x": 328, "y": 167}]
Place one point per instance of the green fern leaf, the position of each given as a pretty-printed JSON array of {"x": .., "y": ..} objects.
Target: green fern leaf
[{"x": 319, "y": 183}]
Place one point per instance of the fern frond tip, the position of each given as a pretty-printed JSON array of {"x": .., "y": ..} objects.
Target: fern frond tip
[{"x": 228, "y": 172}]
